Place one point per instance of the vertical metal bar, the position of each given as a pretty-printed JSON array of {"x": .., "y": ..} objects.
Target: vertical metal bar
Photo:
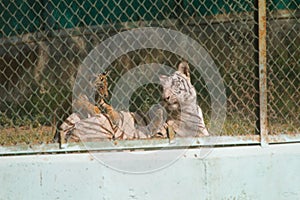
[{"x": 262, "y": 60}]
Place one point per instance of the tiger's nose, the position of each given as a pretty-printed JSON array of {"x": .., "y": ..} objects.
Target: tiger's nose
[
  {"x": 166, "y": 98},
  {"x": 167, "y": 95}
]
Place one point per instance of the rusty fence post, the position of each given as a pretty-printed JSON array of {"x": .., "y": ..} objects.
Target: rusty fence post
[{"x": 262, "y": 61}]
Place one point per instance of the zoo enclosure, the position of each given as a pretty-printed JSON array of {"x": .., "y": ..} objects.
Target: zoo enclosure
[{"x": 44, "y": 42}]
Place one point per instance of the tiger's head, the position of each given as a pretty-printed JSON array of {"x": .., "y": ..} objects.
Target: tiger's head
[
  {"x": 101, "y": 84},
  {"x": 177, "y": 88}
]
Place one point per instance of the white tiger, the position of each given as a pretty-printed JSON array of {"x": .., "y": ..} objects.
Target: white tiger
[{"x": 180, "y": 100}]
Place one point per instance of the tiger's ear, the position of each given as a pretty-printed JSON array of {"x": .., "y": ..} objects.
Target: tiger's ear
[
  {"x": 106, "y": 73},
  {"x": 184, "y": 68},
  {"x": 163, "y": 79}
]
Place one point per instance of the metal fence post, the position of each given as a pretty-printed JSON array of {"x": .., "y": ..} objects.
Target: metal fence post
[{"x": 262, "y": 61}]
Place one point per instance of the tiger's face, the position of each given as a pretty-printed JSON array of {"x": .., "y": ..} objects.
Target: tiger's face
[{"x": 177, "y": 88}]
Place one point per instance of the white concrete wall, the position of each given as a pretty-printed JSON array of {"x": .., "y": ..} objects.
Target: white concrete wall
[{"x": 248, "y": 172}]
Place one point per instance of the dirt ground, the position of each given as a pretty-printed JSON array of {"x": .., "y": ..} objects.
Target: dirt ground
[{"x": 26, "y": 135}]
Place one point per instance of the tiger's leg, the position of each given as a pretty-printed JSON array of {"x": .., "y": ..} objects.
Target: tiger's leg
[
  {"x": 84, "y": 107},
  {"x": 167, "y": 131},
  {"x": 96, "y": 110},
  {"x": 157, "y": 115},
  {"x": 203, "y": 128},
  {"x": 66, "y": 127},
  {"x": 170, "y": 131},
  {"x": 113, "y": 115},
  {"x": 62, "y": 139}
]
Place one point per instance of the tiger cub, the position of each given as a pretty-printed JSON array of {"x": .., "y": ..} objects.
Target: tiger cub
[
  {"x": 83, "y": 106},
  {"x": 180, "y": 100},
  {"x": 101, "y": 86}
]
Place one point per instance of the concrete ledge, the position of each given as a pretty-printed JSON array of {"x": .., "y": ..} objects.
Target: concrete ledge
[{"x": 244, "y": 172}]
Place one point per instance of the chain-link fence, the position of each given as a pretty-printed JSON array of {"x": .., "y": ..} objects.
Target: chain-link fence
[
  {"x": 283, "y": 54},
  {"x": 43, "y": 44}
]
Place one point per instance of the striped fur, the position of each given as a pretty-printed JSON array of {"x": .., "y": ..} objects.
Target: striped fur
[
  {"x": 88, "y": 123},
  {"x": 180, "y": 100}
]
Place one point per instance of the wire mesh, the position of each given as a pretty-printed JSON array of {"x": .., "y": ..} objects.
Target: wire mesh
[
  {"x": 43, "y": 43},
  {"x": 283, "y": 67}
]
